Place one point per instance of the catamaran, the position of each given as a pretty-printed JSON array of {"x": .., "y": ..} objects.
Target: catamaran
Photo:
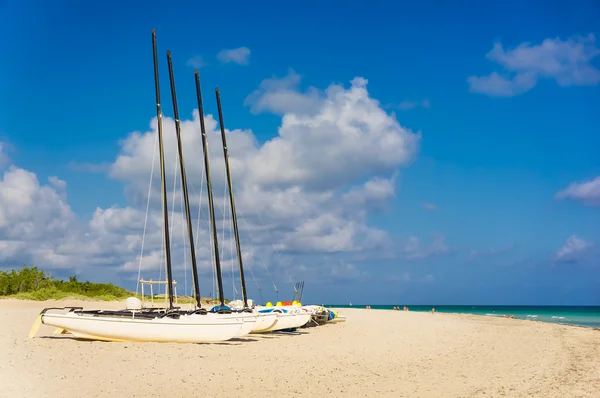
[{"x": 156, "y": 325}]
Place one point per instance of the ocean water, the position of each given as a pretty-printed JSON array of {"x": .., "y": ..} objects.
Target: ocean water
[{"x": 570, "y": 315}]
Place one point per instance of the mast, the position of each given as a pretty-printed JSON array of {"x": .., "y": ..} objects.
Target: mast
[
  {"x": 209, "y": 188},
  {"x": 184, "y": 182},
  {"x": 162, "y": 176},
  {"x": 231, "y": 200}
]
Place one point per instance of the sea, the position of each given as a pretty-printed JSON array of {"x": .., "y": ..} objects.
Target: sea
[{"x": 587, "y": 316}]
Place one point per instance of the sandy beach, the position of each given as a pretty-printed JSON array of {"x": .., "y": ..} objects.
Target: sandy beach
[{"x": 375, "y": 353}]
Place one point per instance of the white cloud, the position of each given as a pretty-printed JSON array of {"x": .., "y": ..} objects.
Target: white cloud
[
  {"x": 567, "y": 62},
  {"x": 240, "y": 55},
  {"x": 345, "y": 135},
  {"x": 307, "y": 190},
  {"x": 196, "y": 62},
  {"x": 281, "y": 96},
  {"x": 587, "y": 191},
  {"x": 375, "y": 192},
  {"x": 29, "y": 210},
  {"x": 573, "y": 249}
]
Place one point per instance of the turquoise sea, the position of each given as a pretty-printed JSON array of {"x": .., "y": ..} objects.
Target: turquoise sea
[{"x": 570, "y": 315}]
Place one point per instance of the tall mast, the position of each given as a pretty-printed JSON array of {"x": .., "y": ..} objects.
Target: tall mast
[
  {"x": 162, "y": 175},
  {"x": 231, "y": 200},
  {"x": 184, "y": 182},
  {"x": 209, "y": 188}
]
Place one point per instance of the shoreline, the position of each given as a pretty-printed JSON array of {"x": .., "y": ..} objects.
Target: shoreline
[{"x": 488, "y": 315}]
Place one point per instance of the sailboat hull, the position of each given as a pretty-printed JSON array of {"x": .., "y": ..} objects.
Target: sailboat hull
[
  {"x": 264, "y": 323},
  {"x": 248, "y": 319},
  {"x": 289, "y": 320},
  {"x": 301, "y": 319},
  {"x": 192, "y": 328}
]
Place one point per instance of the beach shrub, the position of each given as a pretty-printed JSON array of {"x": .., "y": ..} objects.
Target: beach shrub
[
  {"x": 33, "y": 284},
  {"x": 29, "y": 283}
]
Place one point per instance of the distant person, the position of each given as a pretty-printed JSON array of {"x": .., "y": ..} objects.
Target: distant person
[
  {"x": 433, "y": 310},
  {"x": 405, "y": 308}
]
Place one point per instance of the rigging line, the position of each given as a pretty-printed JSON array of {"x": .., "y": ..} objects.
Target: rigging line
[
  {"x": 285, "y": 267},
  {"x": 223, "y": 210},
  {"x": 185, "y": 264},
  {"x": 173, "y": 201},
  {"x": 249, "y": 267},
  {"x": 147, "y": 209},
  {"x": 262, "y": 259},
  {"x": 199, "y": 203},
  {"x": 224, "y": 213},
  {"x": 253, "y": 277},
  {"x": 162, "y": 262},
  {"x": 199, "y": 209},
  {"x": 228, "y": 210},
  {"x": 235, "y": 291}
]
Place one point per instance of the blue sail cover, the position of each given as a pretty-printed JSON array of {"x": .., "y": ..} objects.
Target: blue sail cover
[
  {"x": 269, "y": 310},
  {"x": 218, "y": 308}
]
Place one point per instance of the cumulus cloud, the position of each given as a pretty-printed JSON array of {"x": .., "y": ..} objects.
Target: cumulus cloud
[
  {"x": 567, "y": 62},
  {"x": 587, "y": 192},
  {"x": 374, "y": 193},
  {"x": 307, "y": 190},
  {"x": 282, "y": 96},
  {"x": 573, "y": 250},
  {"x": 33, "y": 216},
  {"x": 344, "y": 134},
  {"x": 240, "y": 55}
]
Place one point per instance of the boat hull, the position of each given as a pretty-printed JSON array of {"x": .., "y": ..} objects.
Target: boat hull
[
  {"x": 193, "y": 328},
  {"x": 264, "y": 323},
  {"x": 249, "y": 321},
  {"x": 288, "y": 320}
]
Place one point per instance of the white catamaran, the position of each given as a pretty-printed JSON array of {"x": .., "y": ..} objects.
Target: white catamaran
[{"x": 157, "y": 325}]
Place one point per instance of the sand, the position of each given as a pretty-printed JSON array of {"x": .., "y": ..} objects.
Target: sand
[{"x": 374, "y": 354}]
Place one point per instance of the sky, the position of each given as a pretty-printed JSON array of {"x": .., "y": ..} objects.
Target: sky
[{"x": 383, "y": 152}]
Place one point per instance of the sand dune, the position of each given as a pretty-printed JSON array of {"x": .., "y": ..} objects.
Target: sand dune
[{"x": 375, "y": 353}]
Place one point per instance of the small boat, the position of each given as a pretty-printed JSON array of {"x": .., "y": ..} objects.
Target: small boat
[
  {"x": 286, "y": 318},
  {"x": 159, "y": 325},
  {"x": 154, "y": 326}
]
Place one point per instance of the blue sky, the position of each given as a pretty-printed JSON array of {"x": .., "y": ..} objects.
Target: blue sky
[{"x": 479, "y": 195}]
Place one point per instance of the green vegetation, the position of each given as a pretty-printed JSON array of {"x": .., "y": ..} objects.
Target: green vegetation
[{"x": 33, "y": 284}]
